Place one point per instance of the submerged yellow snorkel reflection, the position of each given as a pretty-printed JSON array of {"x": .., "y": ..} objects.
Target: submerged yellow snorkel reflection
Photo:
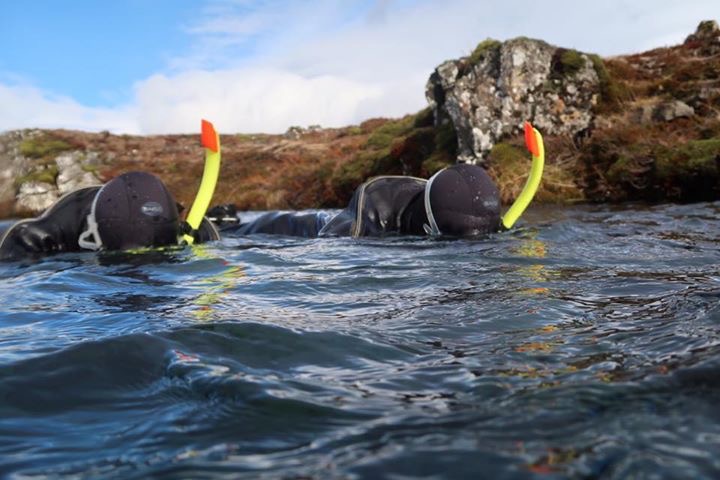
[
  {"x": 211, "y": 141},
  {"x": 215, "y": 287},
  {"x": 534, "y": 143}
]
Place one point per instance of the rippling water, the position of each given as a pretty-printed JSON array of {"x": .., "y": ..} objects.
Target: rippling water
[{"x": 584, "y": 344}]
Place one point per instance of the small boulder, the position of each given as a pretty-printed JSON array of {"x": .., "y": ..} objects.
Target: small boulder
[
  {"x": 294, "y": 133},
  {"x": 668, "y": 111}
]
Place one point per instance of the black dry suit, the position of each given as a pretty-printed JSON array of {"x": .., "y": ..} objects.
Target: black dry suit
[
  {"x": 133, "y": 210},
  {"x": 460, "y": 200}
]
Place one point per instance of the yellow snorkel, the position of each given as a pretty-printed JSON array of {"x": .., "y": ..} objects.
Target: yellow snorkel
[
  {"x": 534, "y": 143},
  {"x": 211, "y": 141}
]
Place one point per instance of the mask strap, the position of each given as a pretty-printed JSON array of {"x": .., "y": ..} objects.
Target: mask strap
[
  {"x": 431, "y": 229},
  {"x": 91, "y": 230}
]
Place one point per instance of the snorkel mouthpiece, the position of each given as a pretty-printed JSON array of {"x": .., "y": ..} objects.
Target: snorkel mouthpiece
[
  {"x": 534, "y": 144},
  {"x": 211, "y": 141}
]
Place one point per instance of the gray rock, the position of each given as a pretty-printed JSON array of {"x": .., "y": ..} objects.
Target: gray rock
[
  {"x": 294, "y": 133},
  {"x": 706, "y": 30},
  {"x": 706, "y": 38},
  {"x": 668, "y": 111},
  {"x": 71, "y": 174},
  {"x": 75, "y": 170},
  {"x": 36, "y": 196},
  {"x": 514, "y": 81},
  {"x": 12, "y": 164}
]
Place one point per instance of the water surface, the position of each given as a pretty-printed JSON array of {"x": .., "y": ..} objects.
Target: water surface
[{"x": 583, "y": 344}]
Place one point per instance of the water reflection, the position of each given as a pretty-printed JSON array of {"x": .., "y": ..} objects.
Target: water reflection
[
  {"x": 216, "y": 287},
  {"x": 531, "y": 247}
]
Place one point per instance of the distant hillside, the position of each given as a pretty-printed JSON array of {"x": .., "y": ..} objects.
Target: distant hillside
[{"x": 636, "y": 127}]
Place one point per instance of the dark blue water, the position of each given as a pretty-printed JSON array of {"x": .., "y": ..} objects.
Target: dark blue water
[{"x": 584, "y": 344}]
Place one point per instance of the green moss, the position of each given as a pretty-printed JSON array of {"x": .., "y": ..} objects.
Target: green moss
[
  {"x": 612, "y": 92},
  {"x": 566, "y": 63},
  {"x": 619, "y": 172},
  {"x": 45, "y": 175},
  {"x": 383, "y": 137},
  {"x": 411, "y": 145},
  {"x": 446, "y": 138},
  {"x": 444, "y": 152},
  {"x": 436, "y": 162},
  {"x": 600, "y": 70},
  {"x": 483, "y": 49},
  {"x": 424, "y": 118},
  {"x": 572, "y": 61},
  {"x": 353, "y": 173},
  {"x": 655, "y": 172},
  {"x": 505, "y": 154},
  {"x": 694, "y": 158},
  {"x": 44, "y": 146}
]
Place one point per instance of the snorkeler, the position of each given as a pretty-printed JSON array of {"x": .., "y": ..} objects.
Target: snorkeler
[
  {"x": 133, "y": 210},
  {"x": 458, "y": 201}
]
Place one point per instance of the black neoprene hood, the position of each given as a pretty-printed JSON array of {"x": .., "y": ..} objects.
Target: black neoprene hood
[
  {"x": 462, "y": 200},
  {"x": 135, "y": 210}
]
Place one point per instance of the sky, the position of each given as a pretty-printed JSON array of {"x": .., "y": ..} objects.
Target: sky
[{"x": 158, "y": 66}]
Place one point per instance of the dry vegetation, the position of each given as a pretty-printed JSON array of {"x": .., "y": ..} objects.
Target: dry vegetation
[{"x": 626, "y": 155}]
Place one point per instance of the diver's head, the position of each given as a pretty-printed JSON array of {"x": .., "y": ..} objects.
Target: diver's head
[
  {"x": 132, "y": 210},
  {"x": 462, "y": 200}
]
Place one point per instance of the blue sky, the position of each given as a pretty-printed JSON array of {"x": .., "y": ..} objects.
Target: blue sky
[
  {"x": 91, "y": 50},
  {"x": 157, "y": 66}
]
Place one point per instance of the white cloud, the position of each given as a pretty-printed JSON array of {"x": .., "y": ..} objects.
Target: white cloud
[
  {"x": 29, "y": 107},
  {"x": 263, "y": 66},
  {"x": 249, "y": 100}
]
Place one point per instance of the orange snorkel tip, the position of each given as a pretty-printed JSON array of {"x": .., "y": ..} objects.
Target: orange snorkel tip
[
  {"x": 531, "y": 140},
  {"x": 208, "y": 136}
]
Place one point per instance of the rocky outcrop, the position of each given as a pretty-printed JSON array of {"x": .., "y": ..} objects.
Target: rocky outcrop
[
  {"x": 491, "y": 93},
  {"x": 8, "y": 170},
  {"x": 706, "y": 37},
  {"x": 37, "y": 168}
]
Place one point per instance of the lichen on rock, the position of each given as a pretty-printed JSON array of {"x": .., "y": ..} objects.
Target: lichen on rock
[
  {"x": 491, "y": 93},
  {"x": 73, "y": 171},
  {"x": 37, "y": 167}
]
